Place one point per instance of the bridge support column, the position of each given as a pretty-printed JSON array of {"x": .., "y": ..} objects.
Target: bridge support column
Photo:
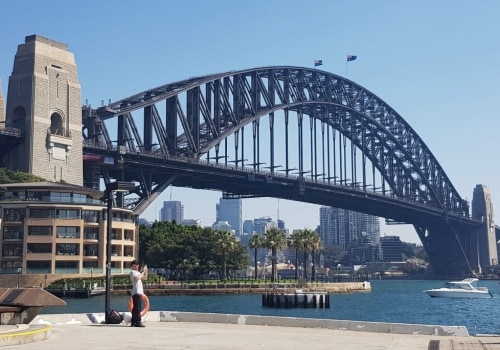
[
  {"x": 482, "y": 209},
  {"x": 44, "y": 102}
]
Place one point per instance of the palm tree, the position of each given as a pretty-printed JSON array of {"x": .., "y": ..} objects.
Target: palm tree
[
  {"x": 255, "y": 242},
  {"x": 225, "y": 243},
  {"x": 274, "y": 240},
  {"x": 315, "y": 245},
  {"x": 306, "y": 240},
  {"x": 294, "y": 241}
]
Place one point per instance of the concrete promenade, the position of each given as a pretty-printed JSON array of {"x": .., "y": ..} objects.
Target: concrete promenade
[{"x": 172, "y": 330}]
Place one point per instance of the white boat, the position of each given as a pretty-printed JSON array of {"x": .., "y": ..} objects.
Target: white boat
[{"x": 467, "y": 288}]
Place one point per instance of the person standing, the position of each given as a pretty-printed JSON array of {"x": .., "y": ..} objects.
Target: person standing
[{"x": 136, "y": 278}]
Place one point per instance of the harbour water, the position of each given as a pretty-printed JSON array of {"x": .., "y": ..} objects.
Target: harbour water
[{"x": 389, "y": 301}]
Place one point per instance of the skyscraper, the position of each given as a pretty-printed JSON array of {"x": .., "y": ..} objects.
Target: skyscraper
[
  {"x": 172, "y": 210},
  {"x": 230, "y": 210},
  {"x": 340, "y": 226}
]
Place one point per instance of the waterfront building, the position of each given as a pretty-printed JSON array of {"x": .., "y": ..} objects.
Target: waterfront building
[
  {"x": 392, "y": 248},
  {"x": 341, "y": 227},
  {"x": 230, "y": 210},
  {"x": 60, "y": 230},
  {"x": 172, "y": 210},
  {"x": 57, "y": 228}
]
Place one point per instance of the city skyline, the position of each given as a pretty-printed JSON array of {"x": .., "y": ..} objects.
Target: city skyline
[{"x": 437, "y": 73}]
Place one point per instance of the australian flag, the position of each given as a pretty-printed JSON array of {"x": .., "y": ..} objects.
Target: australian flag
[
  {"x": 351, "y": 58},
  {"x": 318, "y": 63}
]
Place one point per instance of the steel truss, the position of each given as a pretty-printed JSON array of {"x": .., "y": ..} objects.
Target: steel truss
[{"x": 344, "y": 136}]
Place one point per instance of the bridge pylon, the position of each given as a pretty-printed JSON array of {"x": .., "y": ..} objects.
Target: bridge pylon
[
  {"x": 486, "y": 253},
  {"x": 44, "y": 103}
]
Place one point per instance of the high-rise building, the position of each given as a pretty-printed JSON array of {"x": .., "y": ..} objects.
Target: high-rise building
[
  {"x": 230, "y": 210},
  {"x": 392, "y": 248},
  {"x": 172, "y": 210},
  {"x": 260, "y": 225},
  {"x": 248, "y": 227},
  {"x": 223, "y": 226},
  {"x": 340, "y": 226}
]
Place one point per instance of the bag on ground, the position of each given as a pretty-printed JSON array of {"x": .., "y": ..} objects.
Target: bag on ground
[{"x": 114, "y": 317}]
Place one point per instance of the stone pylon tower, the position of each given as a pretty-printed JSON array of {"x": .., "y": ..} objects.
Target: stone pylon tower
[
  {"x": 482, "y": 209},
  {"x": 44, "y": 101}
]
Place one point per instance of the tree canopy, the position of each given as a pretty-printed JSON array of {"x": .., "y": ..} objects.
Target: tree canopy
[
  {"x": 190, "y": 251},
  {"x": 8, "y": 176}
]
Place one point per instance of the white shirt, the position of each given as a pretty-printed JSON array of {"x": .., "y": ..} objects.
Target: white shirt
[{"x": 137, "y": 287}]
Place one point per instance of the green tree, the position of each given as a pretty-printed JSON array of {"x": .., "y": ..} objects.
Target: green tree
[
  {"x": 8, "y": 176},
  {"x": 307, "y": 240},
  {"x": 225, "y": 243},
  {"x": 295, "y": 242},
  {"x": 333, "y": 254},
  {"x": 408, "y": 250},
  {"x": 315, "y": 245},
  {"x": 187, "y": 251},
  {"x": 255, "y": 242},
  {"x": 275, "y": 240}
]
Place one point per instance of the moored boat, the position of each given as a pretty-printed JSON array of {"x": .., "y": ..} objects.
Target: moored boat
[{"x": 466, "y": 288}]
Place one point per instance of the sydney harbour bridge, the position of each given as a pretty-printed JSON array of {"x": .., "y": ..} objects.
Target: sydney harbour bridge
[{"x": 287, "y": 132}]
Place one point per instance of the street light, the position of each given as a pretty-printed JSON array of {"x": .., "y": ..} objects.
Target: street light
[
  {"x": 91, "y": 284},
  {"x": 117, "y": 186},
  {"x": 19, "y": 270}
]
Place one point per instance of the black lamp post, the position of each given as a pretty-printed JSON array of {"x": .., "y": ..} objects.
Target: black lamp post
[
  {"x": 91, "y": 283},
  {"x": 19, "y": 270},
  {"x": 117, "y": 186}
]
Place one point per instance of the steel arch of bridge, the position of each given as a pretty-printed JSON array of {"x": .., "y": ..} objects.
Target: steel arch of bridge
[
  {"x": 194, "y": 118},
  {"x": 242, "y": 97}
]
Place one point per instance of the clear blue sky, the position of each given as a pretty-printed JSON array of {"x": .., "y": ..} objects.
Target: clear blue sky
[{"x": 435, "y": 62}]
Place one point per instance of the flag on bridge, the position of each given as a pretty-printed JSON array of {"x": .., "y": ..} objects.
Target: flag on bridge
[
  {"x": 318, "y": 63},
  {"x": 351, "y": 58}
]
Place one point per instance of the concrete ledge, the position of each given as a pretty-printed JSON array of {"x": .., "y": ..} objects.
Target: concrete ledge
[
  {"x": 24, "y": 335},
  {"x": 377, "y": 327},
  {"x": 172, "y": 316}
]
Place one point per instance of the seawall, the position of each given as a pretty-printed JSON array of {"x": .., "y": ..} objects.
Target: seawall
[{"x": 243, "y": 288}]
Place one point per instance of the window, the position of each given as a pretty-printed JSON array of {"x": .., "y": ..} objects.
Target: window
[
  {"x": 91, "y": 249},
  {"x": 36, "y": 213},
  {"x": 12, "y": 250},
  {"x": 90, "y": 216},
  {"x": 68, "y": 232},
  {"x": 13, "y": 215},
  {"x": 79, "y": 198},
  {"x": 39, "y": 230},
  {"x": 39, "y": 248},
  {"x": 67, "y": 249},
  {"x": 67, "y": 213},
  {"x": 91, "y": 233},
  {"x": 37, "y": 266},
  {"x": 13, "y": 232},
  {"x": 56, "y": 124},
  {"x": 60, "y": 197}
]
